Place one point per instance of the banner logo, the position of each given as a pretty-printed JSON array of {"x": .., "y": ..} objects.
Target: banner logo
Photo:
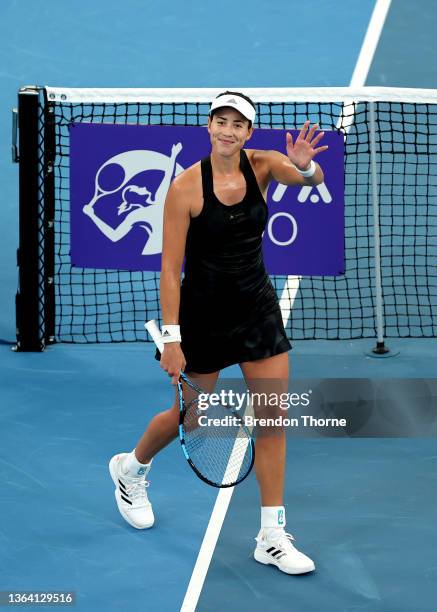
[
  {"x": 304, "y": 193},
  {"x": 137, "y": 205},
  {"x": 120, "y": 176}
]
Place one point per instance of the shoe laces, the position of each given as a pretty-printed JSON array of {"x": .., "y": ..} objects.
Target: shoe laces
[
  {"x": 281, "y": 539},
  {"x": 285, "y": 540},
  {"x": 136, "y": 487}
]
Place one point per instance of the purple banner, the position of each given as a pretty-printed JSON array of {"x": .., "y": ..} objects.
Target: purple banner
[{"x": 120, "y": 175}]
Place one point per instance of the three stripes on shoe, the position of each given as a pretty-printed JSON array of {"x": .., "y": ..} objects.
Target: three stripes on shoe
[
  {"x": 124, "y": 493},
  {"x": 277, "y": 553}
]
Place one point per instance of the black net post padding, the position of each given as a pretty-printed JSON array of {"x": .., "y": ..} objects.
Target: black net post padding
[
  {"x": 49, "y": 219},
  {"x": 27, "y": 301}
]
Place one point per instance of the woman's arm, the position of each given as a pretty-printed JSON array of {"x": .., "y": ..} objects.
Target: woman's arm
[
  {"x": 285, "y": 168},
  {"x": 283, "y": 171},
  {"x": 176, "y": 223}
]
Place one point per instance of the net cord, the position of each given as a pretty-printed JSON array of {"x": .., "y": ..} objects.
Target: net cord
[
  {"x": 376, "y": 226},
  {"x": 67, "y": 95}
]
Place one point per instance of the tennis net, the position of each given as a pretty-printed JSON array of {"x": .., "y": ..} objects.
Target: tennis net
[{"x": 389, "y": 288}]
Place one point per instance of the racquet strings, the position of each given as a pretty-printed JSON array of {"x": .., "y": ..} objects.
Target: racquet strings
[{"x": 222, "y": 453}]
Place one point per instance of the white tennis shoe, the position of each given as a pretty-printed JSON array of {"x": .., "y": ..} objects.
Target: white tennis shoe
[
  {"x": 274, "y": 547},
  {"x": 130, "y": 493}
]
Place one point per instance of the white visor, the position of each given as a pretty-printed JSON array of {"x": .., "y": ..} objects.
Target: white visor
[{"x": 240, "y": 104}]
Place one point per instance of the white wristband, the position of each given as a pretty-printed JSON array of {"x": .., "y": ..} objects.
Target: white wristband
[
  {"x": 171, "y": 333},
  {"x": 307, "y": 173}
]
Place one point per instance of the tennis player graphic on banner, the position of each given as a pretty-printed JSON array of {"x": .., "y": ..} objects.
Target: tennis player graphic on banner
[
  {"x": 120, "y": 175},
  {"x": 138, "y": 206}
]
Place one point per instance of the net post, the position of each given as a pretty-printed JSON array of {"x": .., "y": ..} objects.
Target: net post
[
  {"x": 49, "y": 219},
  {"x": 27, "y": 300},
  {"x": 380, "y": 348}
]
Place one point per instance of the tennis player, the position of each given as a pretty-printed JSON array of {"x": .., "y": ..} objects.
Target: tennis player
[{"x": 226, "y": 310}]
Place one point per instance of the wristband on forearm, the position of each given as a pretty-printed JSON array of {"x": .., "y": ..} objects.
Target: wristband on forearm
[
  {"x": 171, "y": 333},
  {"x": 309, "y": 172}
]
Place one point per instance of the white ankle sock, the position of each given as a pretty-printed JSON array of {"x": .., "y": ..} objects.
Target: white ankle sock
[
  {"x": 133, "y": 467},
  {"x": 272, "y": 516}
]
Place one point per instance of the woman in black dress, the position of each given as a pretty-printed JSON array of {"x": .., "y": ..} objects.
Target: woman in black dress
[{"x": 226, "y": 310}]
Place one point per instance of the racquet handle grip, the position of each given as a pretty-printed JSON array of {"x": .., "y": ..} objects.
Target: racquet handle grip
[{"x": 155, "y": 332}]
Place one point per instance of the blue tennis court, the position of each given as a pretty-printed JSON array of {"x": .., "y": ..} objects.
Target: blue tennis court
[{"x": 363, "y": 508}]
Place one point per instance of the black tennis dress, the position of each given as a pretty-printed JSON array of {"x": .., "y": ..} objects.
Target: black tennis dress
[{"x": 229, "y": 311}]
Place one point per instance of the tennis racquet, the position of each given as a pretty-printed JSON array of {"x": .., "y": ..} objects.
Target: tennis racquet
[{"x": 221, "y": 455}]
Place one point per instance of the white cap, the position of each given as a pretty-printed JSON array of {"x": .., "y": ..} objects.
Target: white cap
[{"x": 234, "y": 101}]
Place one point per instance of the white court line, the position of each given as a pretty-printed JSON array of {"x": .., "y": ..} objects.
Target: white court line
[
  {"x": 213, "y": 530},
  {"x": 370, "y": 43},
  {"x": 207, "y": 550},
  {"x": 291, "y": 287},
  {"x": 358, "y": 79}
]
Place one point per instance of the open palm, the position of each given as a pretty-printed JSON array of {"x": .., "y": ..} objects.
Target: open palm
[{"x": 302, "y": 151}]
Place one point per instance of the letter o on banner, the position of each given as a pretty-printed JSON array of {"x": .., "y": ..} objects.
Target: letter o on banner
[{"x": 293, "y": 225}]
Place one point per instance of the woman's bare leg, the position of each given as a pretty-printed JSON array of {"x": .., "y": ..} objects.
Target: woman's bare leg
[
  {"x": 163, "y": 428},
  {"x": 269, "y": 375}
]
